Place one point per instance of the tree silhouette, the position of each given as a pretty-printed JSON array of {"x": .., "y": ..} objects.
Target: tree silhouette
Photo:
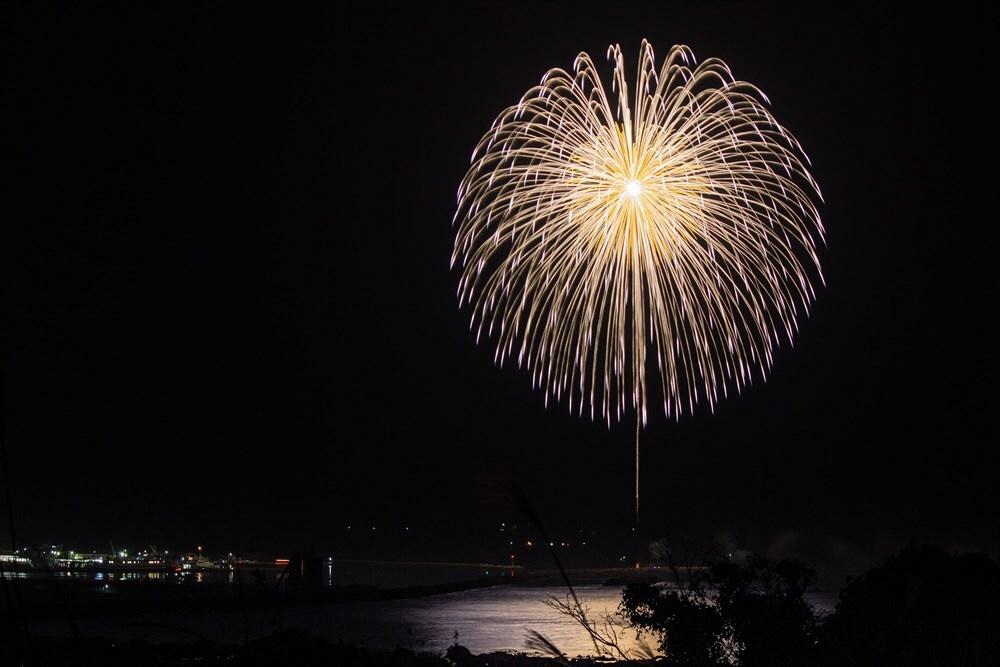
[
  {"x": 730, "y": 613},
  {"x": 921, "y": 607}
]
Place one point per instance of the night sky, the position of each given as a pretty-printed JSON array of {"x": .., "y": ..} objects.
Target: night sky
[{"x": 230, "y": 319}]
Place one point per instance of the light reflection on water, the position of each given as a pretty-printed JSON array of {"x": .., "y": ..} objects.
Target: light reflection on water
[
  {"x": 482, "y": 620},
  {"x": 485, "y": 620},
  {"x": 499, "y": 619},
  {"x": 98, "y": 576}
]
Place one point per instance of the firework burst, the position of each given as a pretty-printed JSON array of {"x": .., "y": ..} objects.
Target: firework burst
[{"x": 608, "y": 241}]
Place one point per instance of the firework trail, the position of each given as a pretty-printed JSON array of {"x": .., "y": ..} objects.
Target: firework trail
[{"x": 620, "y": 244}]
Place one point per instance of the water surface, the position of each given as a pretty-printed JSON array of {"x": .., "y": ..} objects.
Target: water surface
[{"x": 483, "y": 620}]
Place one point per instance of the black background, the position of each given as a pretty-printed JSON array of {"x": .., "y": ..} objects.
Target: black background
[{"x": 230, "y": 319}]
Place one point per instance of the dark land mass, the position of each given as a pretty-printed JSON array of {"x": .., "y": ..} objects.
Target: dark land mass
[
  {"x": 287, "y": 647},
  {"x": 922, "y": 606}
]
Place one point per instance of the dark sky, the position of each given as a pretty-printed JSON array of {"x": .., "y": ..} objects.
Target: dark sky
[{"x": 229, "y": 316}]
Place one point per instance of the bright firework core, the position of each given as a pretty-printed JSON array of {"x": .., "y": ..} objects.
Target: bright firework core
[{"x": 633, "y": 188}]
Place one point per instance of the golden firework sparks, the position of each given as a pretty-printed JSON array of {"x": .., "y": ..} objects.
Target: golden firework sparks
[{"x": 605, "y": 238}]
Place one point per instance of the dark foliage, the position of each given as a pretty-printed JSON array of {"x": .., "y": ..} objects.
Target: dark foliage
[
  {"x": 921, "y": 607},
  {"x": 763, "y": 606},
  {"x": 754, "y": 613},
  {"x": 688, "y": 625}
]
